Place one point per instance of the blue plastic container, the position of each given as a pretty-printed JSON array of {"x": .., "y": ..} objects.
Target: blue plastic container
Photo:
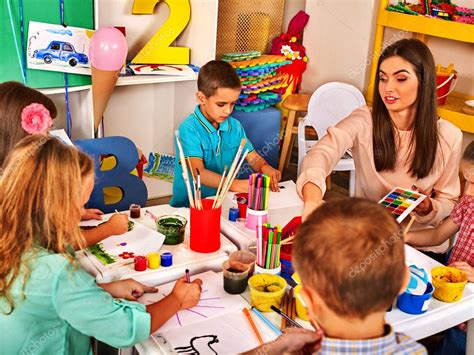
[{"x": 415, "y": 304}]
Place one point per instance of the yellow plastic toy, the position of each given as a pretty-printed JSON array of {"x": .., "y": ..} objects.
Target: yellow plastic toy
[
  {"x": 266, "y": 290},
  {"x": 449, "y": 283},
  {"x": 158, "y": 50}
]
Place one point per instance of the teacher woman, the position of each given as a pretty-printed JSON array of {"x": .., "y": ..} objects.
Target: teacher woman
[{"x": 402, "y": 142}]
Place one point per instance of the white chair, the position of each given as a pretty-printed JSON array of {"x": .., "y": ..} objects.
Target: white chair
[{"x": 329, "y": 104}]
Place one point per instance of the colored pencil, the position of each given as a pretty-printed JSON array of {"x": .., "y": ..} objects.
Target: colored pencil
[
  {"x": 291, "y": 321},
  {"x": 252, "y": 324},
  {"x": 266, "y": 321},
  {"x": 269, "y": 250}
]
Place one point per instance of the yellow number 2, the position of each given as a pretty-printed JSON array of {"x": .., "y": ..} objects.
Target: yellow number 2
[{"x": 158, "y": 50}]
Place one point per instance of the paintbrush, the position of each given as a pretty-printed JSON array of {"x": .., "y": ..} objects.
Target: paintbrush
[
  {"x": 232, "y": 177},
  {"x": 228, "y": 181},
  {"x": 407, "y": 228},
  {"x": 219, "y": 187},
  {"x": 185, "y": 169}
]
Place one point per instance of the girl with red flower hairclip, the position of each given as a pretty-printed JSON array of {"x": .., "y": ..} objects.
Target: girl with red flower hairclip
[{"x": 25, "y": 111}]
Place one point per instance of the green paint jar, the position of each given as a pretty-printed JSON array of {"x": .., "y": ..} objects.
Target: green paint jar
[{"x": 172, "y": 227}]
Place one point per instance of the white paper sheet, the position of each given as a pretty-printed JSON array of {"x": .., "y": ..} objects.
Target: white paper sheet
[
  {"x": 214, "y": 302},
  {"x": 140, "y": 241}
]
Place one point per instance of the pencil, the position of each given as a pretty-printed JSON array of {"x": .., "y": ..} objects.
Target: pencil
[
  {"x": 252, "y": 324},
  {"x": 266, "y": 321},
  {"x": 291, "y": 321}
]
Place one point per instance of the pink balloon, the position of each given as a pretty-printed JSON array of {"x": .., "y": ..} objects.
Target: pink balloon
[{"x": 108, "y": 49}]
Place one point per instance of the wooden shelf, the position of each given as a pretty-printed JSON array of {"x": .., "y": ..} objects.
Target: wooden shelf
[
  {"x": 153, "y": 79},
  {"x": 452, "y": 112},
  {"x": 429, "y": 26}
]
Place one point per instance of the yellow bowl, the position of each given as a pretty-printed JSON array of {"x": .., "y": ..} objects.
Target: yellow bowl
[
  {"x": 449, "y": 283},
  {"x": 301, "y": 310},
  {"x": 266, "y": 290}
]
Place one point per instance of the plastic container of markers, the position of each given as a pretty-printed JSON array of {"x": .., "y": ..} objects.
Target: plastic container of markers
[
  {"x": 255, "y": 218},
  {"x": 262, "y": 270}
]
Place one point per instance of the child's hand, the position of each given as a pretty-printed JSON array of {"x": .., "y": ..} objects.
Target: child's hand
[
  {"x": 468, "y": 269},
  {"x": 240, "y": 185},
  {"x": 293, "y": 340},
  {"x": 274, "y": 174},
  {"x": 117, "y": 224},
  {"x": 187, "y": 294},
  {"x": 425, "y": 206},
  {"x": 128, "y": 289},
  {"x": 92, "y": 213}
]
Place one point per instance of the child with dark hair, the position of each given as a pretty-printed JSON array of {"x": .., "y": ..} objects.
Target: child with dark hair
[{"x": 210, "y": 136}]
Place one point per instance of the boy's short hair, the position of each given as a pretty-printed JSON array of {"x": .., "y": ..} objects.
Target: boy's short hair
[
  {"x": 351, "y": 252},
  {"x": 468, "y": 155},
  {"x": 217, "y": 74}
]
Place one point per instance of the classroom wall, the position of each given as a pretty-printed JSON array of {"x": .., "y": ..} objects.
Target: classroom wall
[{"x": 339, "y": 39}]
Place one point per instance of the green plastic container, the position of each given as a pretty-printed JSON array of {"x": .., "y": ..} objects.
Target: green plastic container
[{"x": 172, "y": 227}]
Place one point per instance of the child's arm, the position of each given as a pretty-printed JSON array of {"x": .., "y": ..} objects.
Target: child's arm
[
  {"x": 294, "y": 340},
  {"x": 212, "y": 179},
  {"x": 184, "y": 295},
  {"x": 116, "y": 225},
  {"x": 260, "y": 165},
  {"x": 468, "y": 269},
  {"x": 433, "y": 236}
]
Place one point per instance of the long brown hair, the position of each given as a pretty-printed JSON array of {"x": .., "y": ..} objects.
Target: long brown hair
[
  {"x": 425, "y": 138},
  {"x": 40, "y": 205},
  {"x": 14, "y": 97}
]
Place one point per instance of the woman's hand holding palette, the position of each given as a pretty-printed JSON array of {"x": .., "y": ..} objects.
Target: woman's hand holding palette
[{"x": 400, "y": 202}]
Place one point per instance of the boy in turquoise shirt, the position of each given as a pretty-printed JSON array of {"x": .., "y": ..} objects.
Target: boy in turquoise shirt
[{"x": 210, "y": 137}]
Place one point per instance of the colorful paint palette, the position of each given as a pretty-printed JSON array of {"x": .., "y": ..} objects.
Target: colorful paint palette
[{"x": 400, "y": 202}]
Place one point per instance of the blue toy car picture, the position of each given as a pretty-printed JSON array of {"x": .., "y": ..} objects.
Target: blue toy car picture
[{"x": 63, "y": 51}]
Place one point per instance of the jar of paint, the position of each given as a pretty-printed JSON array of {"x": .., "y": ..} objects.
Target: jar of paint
[
  {"x": 135, "y": 210},
  {"x": 172, "y": 227},
  {"x": 235, "y": 278},
  {"x": 140, "y": 263},
  {"x": 449, "y": 283},
  {"x": 266, "y": 290},
  {"x": 153, "y": 260},
  {"x": 166, "y": 259}
]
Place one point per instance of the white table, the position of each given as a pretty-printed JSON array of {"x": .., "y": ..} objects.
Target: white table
[{"x": 183, "y": 257}]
